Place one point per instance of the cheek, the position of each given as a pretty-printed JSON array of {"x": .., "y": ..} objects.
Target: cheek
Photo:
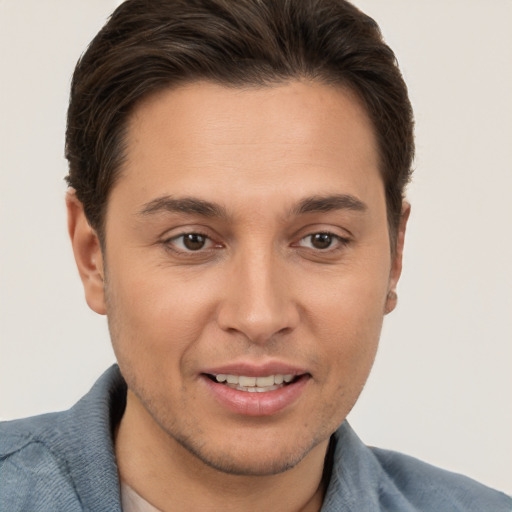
[
  {"x": 154, "y": 317},
  {"x": 349, "y": 316}
]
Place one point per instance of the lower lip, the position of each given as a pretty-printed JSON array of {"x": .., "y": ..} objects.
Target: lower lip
[{"x": 254, "y": 403}]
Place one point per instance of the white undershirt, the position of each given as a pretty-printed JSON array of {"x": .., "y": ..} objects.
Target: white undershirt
[{"x": 131, "y": 501}]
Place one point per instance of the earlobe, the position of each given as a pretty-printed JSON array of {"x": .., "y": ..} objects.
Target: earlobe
[
  {"x": 88, "y": 255},
  {"x": 396, "y": 266},
  {"x": 391, "y": 301}
]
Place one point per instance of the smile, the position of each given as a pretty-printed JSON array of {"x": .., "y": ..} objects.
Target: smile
[
  {"x": 260, "y": 384},
  {"x": 259, "y": 394}
]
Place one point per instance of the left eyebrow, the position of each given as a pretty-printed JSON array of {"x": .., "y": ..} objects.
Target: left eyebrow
[{"x": 315, "y": 204}]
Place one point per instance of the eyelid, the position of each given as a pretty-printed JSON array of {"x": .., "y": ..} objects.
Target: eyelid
[
  {"x": 339, "y": 231},
  {"x": 168, "y": 242},
  {"x": 207, "y": 239},
  {"x": 343, "y": 241}
]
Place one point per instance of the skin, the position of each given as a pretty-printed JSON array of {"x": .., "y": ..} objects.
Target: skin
[{"x": 261, "y": 289}]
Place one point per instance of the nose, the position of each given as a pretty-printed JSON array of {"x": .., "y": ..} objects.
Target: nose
[{"x": 258, "y": 299}]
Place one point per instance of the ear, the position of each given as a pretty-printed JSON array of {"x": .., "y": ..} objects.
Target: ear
[
  {"x": 88, "y": 255},
  {"x": 396, "y": 264}
]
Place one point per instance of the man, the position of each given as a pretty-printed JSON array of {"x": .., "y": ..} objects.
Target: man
[{"x": 236, "y": 209}]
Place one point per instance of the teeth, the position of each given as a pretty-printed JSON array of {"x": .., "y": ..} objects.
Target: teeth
[
  {"x": 246, "y": 381},
  {"x": 264, "y": 383}
]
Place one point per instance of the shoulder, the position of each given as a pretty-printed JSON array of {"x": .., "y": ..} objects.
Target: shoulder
[
  {"x": 429, "y": 488},
  {"x": 372, "y": 479},
  {"x": 31, "y": 470},
  {"x": 65, "y": 461}
]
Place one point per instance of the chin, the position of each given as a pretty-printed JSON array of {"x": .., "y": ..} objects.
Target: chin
[{"x": 252, "y": 461}]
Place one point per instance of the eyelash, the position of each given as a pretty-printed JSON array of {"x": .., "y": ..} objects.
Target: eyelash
[
  {"x": 169, "y": 243},
  {"x": 337, "y": 240},
  {"x": 341, "y": 241}
]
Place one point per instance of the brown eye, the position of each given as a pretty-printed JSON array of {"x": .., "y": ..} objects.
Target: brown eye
[
  {"x": 194, "y": 241},
  {"x": 321, "y": 240}
]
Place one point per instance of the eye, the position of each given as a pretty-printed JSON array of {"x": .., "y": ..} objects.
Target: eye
[
  {"x": 322, "y": 241},
  {"x": 190, "y": 242}
]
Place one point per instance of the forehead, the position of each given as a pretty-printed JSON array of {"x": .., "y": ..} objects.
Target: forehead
[{"x": 208, "y": 139}]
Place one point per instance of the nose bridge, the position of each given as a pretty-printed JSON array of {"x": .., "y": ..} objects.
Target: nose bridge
[{"x": 257, "y": 301}]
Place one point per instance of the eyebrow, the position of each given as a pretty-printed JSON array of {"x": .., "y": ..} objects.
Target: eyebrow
[
  {"x": 192, "y": 205},
  {"x": 315, "y": 204},
  {"x": 188, "y": 205}
]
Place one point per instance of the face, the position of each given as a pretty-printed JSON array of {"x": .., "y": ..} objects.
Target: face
[{"x": 247, "y": 268}]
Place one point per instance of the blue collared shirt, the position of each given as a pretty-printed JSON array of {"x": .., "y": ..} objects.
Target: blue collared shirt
[{"x": 65, "y": 462}]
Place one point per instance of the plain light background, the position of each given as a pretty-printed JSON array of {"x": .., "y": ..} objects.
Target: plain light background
[{"x": 441, "y": 388}]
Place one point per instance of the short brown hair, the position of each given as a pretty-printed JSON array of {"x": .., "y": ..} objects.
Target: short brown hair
[{"x": 148, "y": 45}]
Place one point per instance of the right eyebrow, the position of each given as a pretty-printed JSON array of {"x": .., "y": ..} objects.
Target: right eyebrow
[{"x": 190, "y": 205}]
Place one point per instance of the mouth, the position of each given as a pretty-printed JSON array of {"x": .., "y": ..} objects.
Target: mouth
[
  {"x": 247, "y": 390},
  {"x": 256, "y": 384}
]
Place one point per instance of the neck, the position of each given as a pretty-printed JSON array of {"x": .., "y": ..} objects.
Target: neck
[{"x": 170, "y": 477}]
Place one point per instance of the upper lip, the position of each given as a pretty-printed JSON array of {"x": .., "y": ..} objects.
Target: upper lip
[{"x": 256, "y": 370}]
